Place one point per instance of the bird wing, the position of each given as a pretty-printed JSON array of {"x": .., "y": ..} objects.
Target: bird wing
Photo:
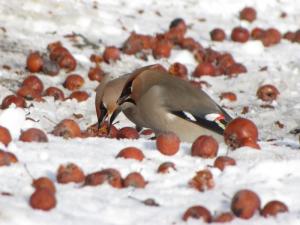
[
  {"x": 150, "y": 72},
  {"x": 187, "y": 102},
  {"x": 213, "y": 126}
]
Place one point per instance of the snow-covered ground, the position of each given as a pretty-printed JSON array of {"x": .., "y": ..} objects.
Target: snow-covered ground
[{"x": 272, "y": 172}]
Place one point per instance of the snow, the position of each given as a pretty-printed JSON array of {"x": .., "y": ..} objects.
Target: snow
[{"x": 272, "y": 172}]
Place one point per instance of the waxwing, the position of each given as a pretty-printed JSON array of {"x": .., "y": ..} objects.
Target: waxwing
[
  {"x": 168, "y": 104},
  {"x": 107, "y": 94}
]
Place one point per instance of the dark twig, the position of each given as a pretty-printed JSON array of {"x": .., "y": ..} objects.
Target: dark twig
[{"x": 86, "y": 41}]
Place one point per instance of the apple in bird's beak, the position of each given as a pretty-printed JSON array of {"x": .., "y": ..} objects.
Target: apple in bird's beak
[{"x": 110, "y": 113}]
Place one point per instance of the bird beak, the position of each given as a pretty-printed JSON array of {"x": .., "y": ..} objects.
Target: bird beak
[
  {"x": 111, "y": 118},
  {"x": 101, "y": 119}
]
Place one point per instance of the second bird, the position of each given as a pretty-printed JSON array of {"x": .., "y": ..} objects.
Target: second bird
[{"x": 168, "y": 104}]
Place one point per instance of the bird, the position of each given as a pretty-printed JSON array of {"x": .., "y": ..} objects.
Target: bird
[
  {"x": 166, "y": 103},
  {"x": 107, "y": 94}
]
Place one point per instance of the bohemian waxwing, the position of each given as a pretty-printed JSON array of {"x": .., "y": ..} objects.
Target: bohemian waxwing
[
  {"x": 166, "y": 103},
  {"x": 107, "y": 94}
]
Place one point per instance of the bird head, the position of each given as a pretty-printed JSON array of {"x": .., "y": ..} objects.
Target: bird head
[
  {"x": 108, "y": 112},
  {"x": 126, "y": 95}
]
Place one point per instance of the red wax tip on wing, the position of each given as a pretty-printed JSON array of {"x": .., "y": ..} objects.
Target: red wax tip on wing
[
  {"x": 220, "y": 117},
  {"x": 214, "y": 117}
]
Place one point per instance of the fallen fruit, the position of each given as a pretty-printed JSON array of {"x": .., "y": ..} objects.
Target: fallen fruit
[
  {"x": 55, "y": 92},
  {"x": 217, "y": 34},
  {"x": 205, "y": 68},
  {"x": 73, "y": 82},
  {"x": 67, "y": 62},
  {"x": 249, "y": 142},
  {"x": 245, "y": 203},
  {"x": 224, "y": 218},
  {"x": 94, "y": 131},
  {"x": 111, "y": 54},
  {"x": 69, "y": 173},
  {"x": 190, "y": 44},
  {"x": 5, "y": 136},
  {"x": 111, "y": 176},
  {"x": 166, "y": 167},
  {"x": 96, "y": 58},
  {"x": 7, "y": 158},
  {"x": 42, "y": 199},
  {"x": 289, "y": 36},
  {"x": 271, "y": 37},
  {"x": 80, "y": 96},
  {"x": 134, "y": 179},
  {"x": 211, "y": 55},
  {"x": 178, "y": 70},
  {"x": 202, "y": 181},
  {"x": 137, "y": 42},
  {"x": 13, "y": 99},
  {"x": 230, "y": 96},
  {"x": 267, "y": 93},
  {"x": 34, "y": 62},
  {"x": 131, "y": 153},
  {"x": 167, "y": 143},
  {"x": 67, "y": 128},
  {"x": 28, "y": 93},
  {"x": 248, "y": 13},
  {"x": 238, "y": 130},
  {"x": 197, "y": 212},
  {"x": 235, "y": 69},
  {"x": 44, "y": 182},
  {"x": 205, "y": 147},
  {"x": 178, "y": 24},
  {"x": 34, "y": 83},
  {"x": 272, "y": 208},
  {"x": 62, "y": 56},
  {"x": 223, "y": 161},
  {"x": 257, "y": 33},
  {"x": 240, "y": 34},
  {"x": 162, "y": 48},
  {"x": 128, "y": 133},
  {"x": 96, "y": 73},
  {"x": 33, "y": 135}
]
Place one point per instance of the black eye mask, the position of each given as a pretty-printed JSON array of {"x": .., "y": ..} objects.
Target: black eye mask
[
  {"x": 103, "y": 114},
  {"x": 125, "y": 95},
  {"x": 126, "y": 90}
]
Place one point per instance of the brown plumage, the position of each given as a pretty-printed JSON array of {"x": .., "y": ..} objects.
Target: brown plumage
[
  {"x": 107, "y": 94},
  {"x": 166, "y": 103}
]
